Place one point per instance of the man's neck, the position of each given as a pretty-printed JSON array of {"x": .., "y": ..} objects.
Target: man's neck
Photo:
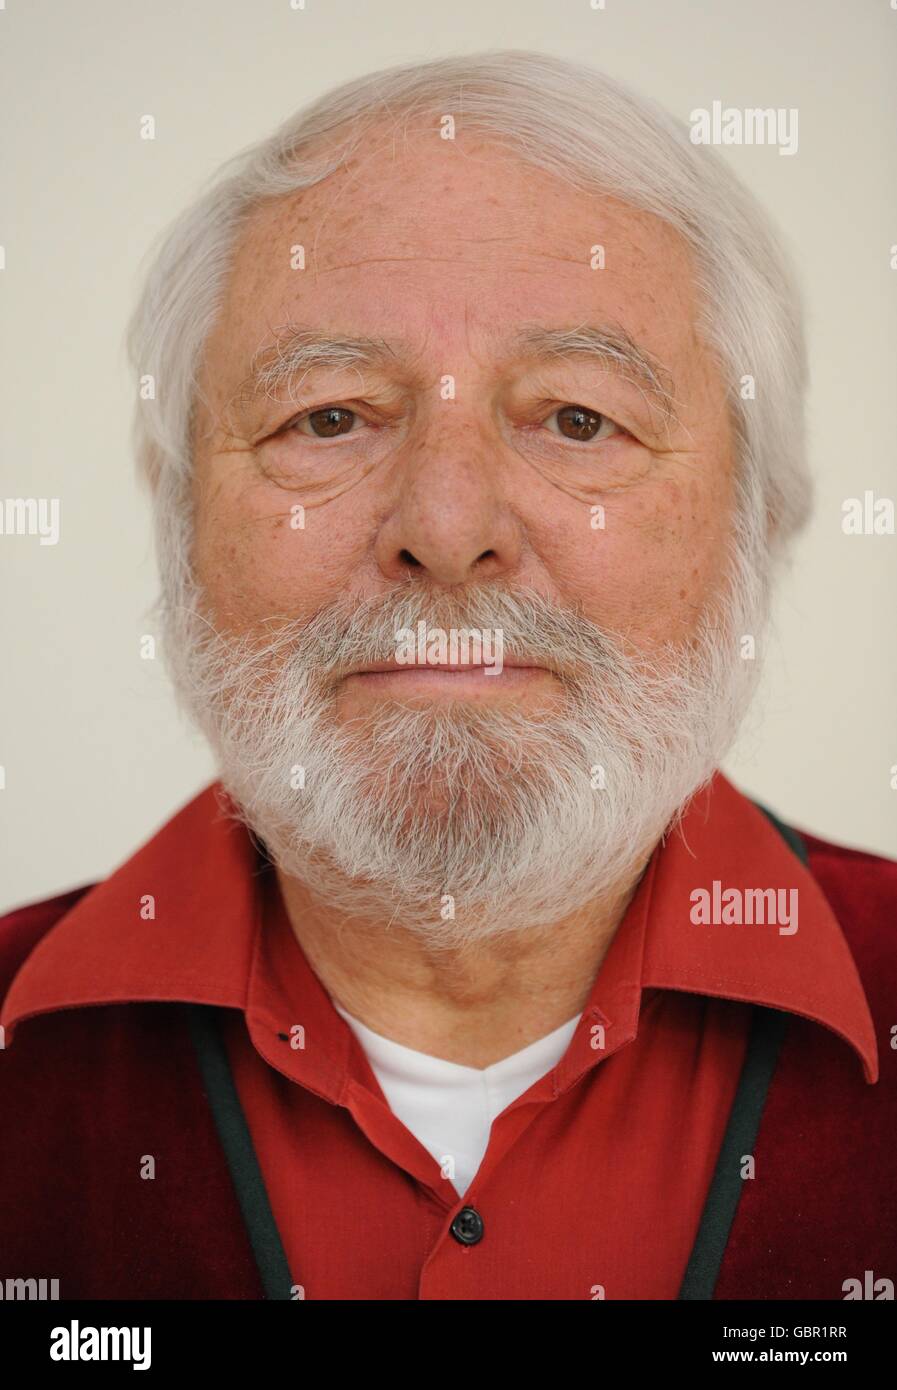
[{"x": 473, "y": 1006}]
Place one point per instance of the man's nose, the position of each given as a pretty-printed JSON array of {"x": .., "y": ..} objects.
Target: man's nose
[{"x": 453, "y": 518}]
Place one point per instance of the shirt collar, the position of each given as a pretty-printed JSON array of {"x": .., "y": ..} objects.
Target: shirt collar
[
  {"x": 180, "y": 920},
  {"x": 726, "y": 843},
  {"x": 175, "y": 922}
]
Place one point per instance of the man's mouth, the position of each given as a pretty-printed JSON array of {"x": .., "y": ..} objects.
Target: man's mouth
[
  {"x": 394, "y": 666},
  {"x": 452, "y": 678}
]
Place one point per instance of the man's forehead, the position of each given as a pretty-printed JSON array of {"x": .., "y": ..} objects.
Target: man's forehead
[
  {"x": 429, "y": 255},
  {"x": 452, "y": 204}
]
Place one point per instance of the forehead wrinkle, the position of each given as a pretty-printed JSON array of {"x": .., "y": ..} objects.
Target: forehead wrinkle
[{"x": 529, "y": 262}]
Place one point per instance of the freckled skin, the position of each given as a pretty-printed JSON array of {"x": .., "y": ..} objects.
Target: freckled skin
[{"x": 453, "y": 246}]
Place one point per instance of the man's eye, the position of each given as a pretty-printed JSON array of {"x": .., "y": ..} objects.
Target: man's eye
[
  {"x": 326, "y": 423},
  {"x": 578, "y": 422}
]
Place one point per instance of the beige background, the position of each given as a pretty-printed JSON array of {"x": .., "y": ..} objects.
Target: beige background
[{"x": 95, "y": 755}]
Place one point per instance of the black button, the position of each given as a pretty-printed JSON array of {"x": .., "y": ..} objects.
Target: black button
[{"x": 467, "y": 1226}]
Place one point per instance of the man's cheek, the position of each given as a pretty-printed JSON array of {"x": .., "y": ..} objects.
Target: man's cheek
[{"x": 648, "y": 580}]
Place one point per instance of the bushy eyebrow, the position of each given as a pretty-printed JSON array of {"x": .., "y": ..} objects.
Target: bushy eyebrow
[
  {"x": 612, "y": 348},
  {"x": 295, "y": 352}
]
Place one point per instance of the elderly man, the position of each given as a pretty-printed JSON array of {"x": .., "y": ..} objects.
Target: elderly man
[{"x": 471, "y": 404}]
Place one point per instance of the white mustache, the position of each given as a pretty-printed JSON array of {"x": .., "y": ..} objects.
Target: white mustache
[{"x": 351, "y": 633}]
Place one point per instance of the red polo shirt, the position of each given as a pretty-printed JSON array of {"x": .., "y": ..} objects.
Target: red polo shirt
[{"x": 594, "y": 1180}]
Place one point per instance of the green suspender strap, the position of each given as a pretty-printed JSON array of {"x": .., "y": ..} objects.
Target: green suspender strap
[
  {"x": 233, "y": 1131},
  {"x": 764, "y": 1043}
]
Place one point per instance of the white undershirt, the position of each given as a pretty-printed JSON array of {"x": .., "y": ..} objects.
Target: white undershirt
[{"x": 450, "y": 1108}]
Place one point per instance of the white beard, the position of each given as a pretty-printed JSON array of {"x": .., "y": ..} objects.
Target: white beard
[{"x": 461, "y": 822}]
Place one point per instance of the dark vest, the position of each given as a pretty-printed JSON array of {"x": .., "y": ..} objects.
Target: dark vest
[{"x": 85, "y": 1093}]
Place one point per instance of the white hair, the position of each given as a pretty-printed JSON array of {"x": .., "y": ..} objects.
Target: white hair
[{"x": 563, "y": 117}]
